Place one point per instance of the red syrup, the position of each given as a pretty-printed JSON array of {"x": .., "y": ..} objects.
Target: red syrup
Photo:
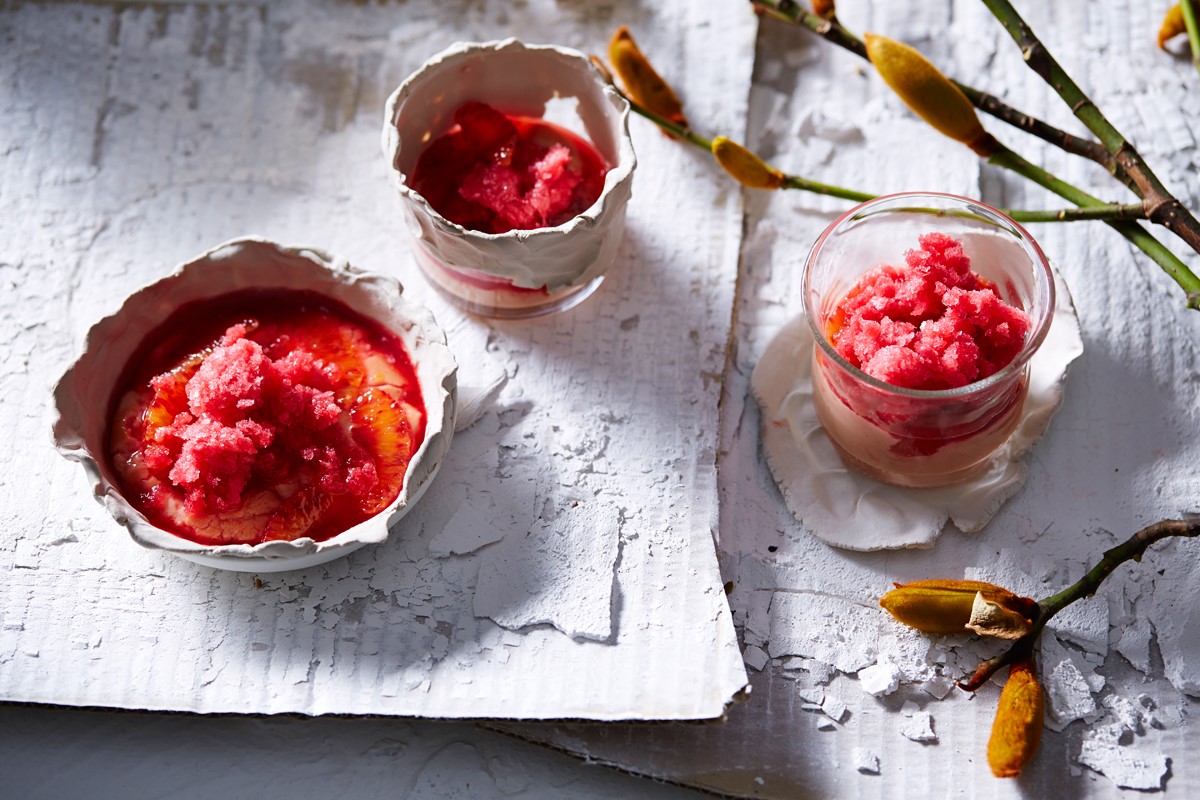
[
  {"x": 265, "y": 415},
  {"x": 494, "y": 172}
]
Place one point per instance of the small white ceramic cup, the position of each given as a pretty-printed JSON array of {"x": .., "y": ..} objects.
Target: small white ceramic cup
[{"x": 521, "y": 273}]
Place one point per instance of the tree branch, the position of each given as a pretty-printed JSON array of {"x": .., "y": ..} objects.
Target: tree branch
[
  {"x": 1129, "y": 550},
  {"x": 833, "y": 31},
  {"x": 1162, "y": 207},
  {"x": 1136, "y": 234},
  {"x": 1095, "y": 209}
]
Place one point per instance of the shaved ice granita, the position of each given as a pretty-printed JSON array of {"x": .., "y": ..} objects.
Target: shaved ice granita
[
  {"x": 265, "y": 415},
  {"x": 514, "y": 167},
  {"x": 494, "y": 172},
  {"x": 925, "y": 311}
]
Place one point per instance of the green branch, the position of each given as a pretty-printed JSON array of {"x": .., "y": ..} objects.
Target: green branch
[
  {"x": 1097, "y": 210},
  {"x": 1129, "y": 550},
  {"x": 1135, "y": 233},
  {"x": 833, "y": 31},
  {"x": 1162, "y": 207},
  {"x": 1193, "y": 30}
]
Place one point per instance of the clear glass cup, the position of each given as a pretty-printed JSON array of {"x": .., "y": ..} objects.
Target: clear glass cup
[
  {"x": 910, "y": 437},
  {"x": 520, "y": 273}
]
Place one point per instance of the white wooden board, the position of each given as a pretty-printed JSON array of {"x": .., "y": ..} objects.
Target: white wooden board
[{"x": 137, "y": 136}]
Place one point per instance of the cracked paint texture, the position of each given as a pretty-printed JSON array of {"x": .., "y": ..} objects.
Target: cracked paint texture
[{"x": 570, "y": 530}]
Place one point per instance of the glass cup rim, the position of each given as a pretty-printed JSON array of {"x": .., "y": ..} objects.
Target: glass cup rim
[{"x": 1011, "y": 370}]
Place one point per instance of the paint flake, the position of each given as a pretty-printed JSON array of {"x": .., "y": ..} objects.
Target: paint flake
[
  {"x": 865, "y": 761},
  {"x": 919, "y": 728},
  {"x": 1173, "y": 607},
  {"x": 939, "y": 686},
  {"x": 835, "y": 709},
  {"x": 1127, "y": 767},
  {"x": 1068, "y": 693},
  {"x": 465, "y": 532},
  {"x": 1084, "y": 623},
  {"x": 1134, "y": 643},
  {"x": 880, "y": 679},
  {"x": 560, "y": 573},
  {"x": 755, "y": 658}
]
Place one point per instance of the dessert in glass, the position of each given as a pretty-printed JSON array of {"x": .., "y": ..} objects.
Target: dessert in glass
[
  {"x": 925, "y": 311},
  {"x": 264, "y": 408},
  {"x": 514, "y": 167}
]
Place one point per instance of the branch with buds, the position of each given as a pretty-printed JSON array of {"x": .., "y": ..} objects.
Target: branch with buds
[
  {"x": 834, "y": 32},
  {"x": 1115, "y": 153},
  {"x": 649, "y": 95},
  {"x": 957, "y": 606}
]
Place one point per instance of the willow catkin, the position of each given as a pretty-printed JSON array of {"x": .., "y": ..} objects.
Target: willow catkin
[
  {"x": 945, "y": 606},
  {"x": 642, "y": 82},
  {"x": 825, "y": 9},
  {"x": 931, "y": 95},
  {"x": 1017, "y": 730},
  {"x": 1173, "y": 24},
  {"x": 748, "y": 168}
]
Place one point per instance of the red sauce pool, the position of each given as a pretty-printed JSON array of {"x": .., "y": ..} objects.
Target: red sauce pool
[
  {"x": 494, "y": 172},
  {"x": 265, "y": 415}
]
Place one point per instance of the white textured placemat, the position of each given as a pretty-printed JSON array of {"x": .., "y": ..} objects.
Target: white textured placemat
[
  {"x": 845, "y": 508},
  {"x": 561, "y": 565}
]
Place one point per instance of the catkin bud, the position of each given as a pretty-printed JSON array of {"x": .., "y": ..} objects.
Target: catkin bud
[
  {"x": 946, "y": 606},
  {"x": 931, "y": 95},
  {"x": 1017, "y": 730},
  {"x": 824, "y": 8},
  {"x": 748, "y": 168},
  {"x": 1173, "y": 24},
  {"x": 642, "y": 81}
]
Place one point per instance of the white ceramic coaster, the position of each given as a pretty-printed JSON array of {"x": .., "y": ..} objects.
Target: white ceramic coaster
[{"x": 845, "y": 509}]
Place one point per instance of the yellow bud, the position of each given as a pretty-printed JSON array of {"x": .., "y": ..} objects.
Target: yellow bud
[
  {"x": 1172, "y": 25},
  {"x": 1017, "y": 730},
  {"x": 824, "y": 8},
  {"x": 749, "y": 169},
  {"x": 642, "y": 81},
  {"x": 930, "y": 94},
  {"x": 945, "y": 606}
]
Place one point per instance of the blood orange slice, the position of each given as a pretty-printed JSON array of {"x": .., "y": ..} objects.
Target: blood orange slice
[
  {"x": 297, "y": 514},
  {"x": 381, "y": 427},
  {"x": 333, "y": 342},
  {"x": 170, "y": 395}
]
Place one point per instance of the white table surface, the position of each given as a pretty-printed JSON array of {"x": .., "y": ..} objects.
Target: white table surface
[{"x": 1120, "y": 455}]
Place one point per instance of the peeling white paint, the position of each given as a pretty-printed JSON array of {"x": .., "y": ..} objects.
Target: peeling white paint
[
  {"x": 162, "y": 131},
  {"x": 561, "y": 574}
]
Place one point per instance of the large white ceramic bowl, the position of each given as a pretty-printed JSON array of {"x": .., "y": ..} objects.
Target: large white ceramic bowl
[{"x": 84, "y": 395}]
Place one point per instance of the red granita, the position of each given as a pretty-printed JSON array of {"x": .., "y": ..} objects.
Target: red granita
[
  {"x": 494, "y": 172},
  {"x": 931, "y": 324},
  {"x": 260, "y": 416}
]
